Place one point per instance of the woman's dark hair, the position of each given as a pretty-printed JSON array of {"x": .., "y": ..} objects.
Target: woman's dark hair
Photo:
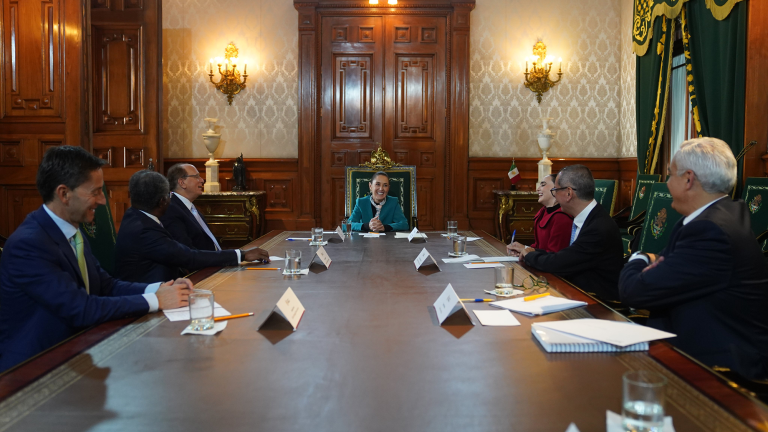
[
  {"x": 147, "y": 190},
  {"x": 382, "y": 173},
  {"x": 65, "y": 165}
]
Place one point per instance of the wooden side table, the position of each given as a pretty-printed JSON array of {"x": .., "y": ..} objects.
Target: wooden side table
[
  {"x": 515, "y": 211},
  {"x": 235, "y": 218}
]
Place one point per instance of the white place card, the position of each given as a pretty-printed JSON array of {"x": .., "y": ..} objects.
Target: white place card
[
  {"x": 288, "y": 308},
  {"x": 413, "y": 234},
  {"x": 340, "y": 232},
  {"x": 323, "y": 255},
  {"x": 446, "y": 305},
  {"x": 423, "y": 255}
]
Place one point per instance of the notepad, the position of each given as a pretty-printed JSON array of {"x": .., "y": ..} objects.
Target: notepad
[
  {"x": 616, "y": 333},
  {"x": 540, "y": 306}
]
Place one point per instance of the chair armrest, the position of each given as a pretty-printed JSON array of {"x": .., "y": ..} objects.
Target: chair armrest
[{"x": 762, "y": 236}]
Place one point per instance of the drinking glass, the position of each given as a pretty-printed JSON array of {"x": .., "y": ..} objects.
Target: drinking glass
[
  {"x": 453, "y": 229},
  {"x": 317, "y": 236},
  {"x": 201, "y": 310},
  {"x": 459, "y": 246},
  {"x": 346, "y": 227},
  {"x": 504, "y": 280},
  {"x": 643, "y": 402},
  {"x": 292, "y": 262}
]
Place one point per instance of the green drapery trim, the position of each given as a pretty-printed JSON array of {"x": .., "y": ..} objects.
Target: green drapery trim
[
  {"x": 646, "y": 12},
  {"x": 652, "y": 90}
]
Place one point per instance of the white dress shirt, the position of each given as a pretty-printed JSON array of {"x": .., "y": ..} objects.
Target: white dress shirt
[
  {"x": 582, "y": 217},
  {"x": 188, "y": 204},
  {"x": 70, "y": 230}
]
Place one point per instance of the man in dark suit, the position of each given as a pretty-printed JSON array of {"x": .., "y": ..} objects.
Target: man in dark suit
[
  {"x": 594, "y": 258},
  {"x": 182, "y": 219},
  {"x": 145, "y": 250},
  {"x": 709, "y": 286},
  {"x": 51, "y": 286}
]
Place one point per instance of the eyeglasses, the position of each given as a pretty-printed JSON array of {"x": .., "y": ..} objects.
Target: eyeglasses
[
  {"x": 197, "y": 176},
  {"x": 536, "y": 284},
  {"x": 553, "y": 190}
]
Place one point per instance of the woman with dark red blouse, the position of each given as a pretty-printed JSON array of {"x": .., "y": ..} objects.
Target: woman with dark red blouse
[{"x": 552, "y": 227}]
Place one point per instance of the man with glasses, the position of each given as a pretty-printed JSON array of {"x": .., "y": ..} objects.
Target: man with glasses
[
  {"x": 182, "y": 220},
  {"x": 594, "y": 258},
  {"x": 709, "y": 286}
]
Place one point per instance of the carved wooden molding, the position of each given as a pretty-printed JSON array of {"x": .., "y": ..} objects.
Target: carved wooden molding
[{"x": 399, "y": 5}]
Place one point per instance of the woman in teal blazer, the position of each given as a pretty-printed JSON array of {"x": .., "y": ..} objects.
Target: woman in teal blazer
[{"x": 378, "y": 212}]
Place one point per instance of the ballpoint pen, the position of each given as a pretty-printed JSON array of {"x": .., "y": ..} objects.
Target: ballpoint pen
[
  {"x": 534, "y": 297},
  {"x": 513, "y": 236},
  {"x": 233, "y": 316},
  {"x": 477, "y": 300}
]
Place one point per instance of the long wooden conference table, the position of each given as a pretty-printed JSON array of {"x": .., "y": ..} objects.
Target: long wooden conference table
[{"x": 368, "y": 355}]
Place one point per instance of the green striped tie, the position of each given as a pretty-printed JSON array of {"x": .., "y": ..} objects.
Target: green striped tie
[{"x": 79, "y": 251}]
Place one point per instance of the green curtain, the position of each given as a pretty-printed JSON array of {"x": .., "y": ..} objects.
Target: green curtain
[
  {"x": 101, "y": 235},
  {"x": 715, "y": 52},
  {"x": 652, "y": 90}
]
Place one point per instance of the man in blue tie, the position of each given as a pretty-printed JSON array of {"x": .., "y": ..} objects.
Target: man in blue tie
[
  {"x": 594, "y": 258},
  {"x": 51, "y": 286},
  {"x": 181, "y": 219}
]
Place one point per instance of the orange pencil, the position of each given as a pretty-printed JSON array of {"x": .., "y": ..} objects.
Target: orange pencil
[
  {"x": 534, "y": 297},
  {"x": 233, "y": 316}
]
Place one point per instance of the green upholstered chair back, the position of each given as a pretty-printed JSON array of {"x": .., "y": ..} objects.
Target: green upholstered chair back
[
  {"x": 642, "y": 193},
  {"x": 101, "y": 235},
  {"x": 659, "y": 219},
  {"x": 605, "y": 193},
  {"x": 755, "y": 196},
  {"x": 402, "y": 184}
]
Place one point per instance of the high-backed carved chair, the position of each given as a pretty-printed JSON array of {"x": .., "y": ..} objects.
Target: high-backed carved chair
[
  {"x": 755, "y": 193},
  {"x": 629, "y": 224},
  {"x": 101, "y": 235},
  {"x": 402, "y": 184},
  {"x": 659, "y": 220},
  {"x": 605, "y": 193}
]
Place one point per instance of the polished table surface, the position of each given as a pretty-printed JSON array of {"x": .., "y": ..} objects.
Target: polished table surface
[{"x": 368, "y": 355}]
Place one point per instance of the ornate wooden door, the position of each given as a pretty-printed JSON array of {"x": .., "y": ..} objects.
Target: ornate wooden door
[{"x": 383, "y": 81}]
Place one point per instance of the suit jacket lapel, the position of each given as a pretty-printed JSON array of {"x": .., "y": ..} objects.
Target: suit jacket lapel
[
  {"x": 188, "y": 213},
  {"x": 53, "y": 231}
]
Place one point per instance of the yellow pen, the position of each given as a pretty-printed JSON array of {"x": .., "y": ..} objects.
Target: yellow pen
[{"x": 534, "y": 297}]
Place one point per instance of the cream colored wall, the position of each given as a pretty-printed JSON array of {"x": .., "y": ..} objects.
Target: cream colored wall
[
  {"x": 593, "y": 107},
  {"x": 504, "y": 115},
  {"x": 261, "y": 122},
  {"x": 628, "y": 118}
]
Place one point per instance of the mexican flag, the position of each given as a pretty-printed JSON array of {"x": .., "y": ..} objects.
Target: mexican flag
[{"x": 514, "y": 173}]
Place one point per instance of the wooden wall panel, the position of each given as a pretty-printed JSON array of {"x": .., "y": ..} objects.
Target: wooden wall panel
[
  {"x": 117, "y": 79},
  {"x": 756, "y": 107}
]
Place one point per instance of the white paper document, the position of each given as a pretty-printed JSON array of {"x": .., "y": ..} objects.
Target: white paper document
[
  {"x": 276, "y": 258},
  {"x": 613, "y": 332},
  {"x": 372, "y": 234},
  {"x": 401, "y": 234},
  {"x": 469, "y": 239},
  {"x": 217, "y": 327},
  {"x": 539, "y": 306},
  {"x": 483, "y": 265},
  {"x": 613, "y": 423},
  {"x": 301, "y": 272},
  {"x": 465, "y": 258},
  {"x": 182, "y": 313},
  {"x": 496, "y": 318},
  {"x": 501, "y": 259}
]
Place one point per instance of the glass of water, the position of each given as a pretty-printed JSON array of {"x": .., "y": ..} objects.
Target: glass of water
[
  {"x": 317, "y": 237},
  {"x": 346, "y": 227},
  {"x": 453, "y": 229},
  {"x": 643, "y": 402},
  {"x": 201, "y": 310},
  {"x": 459, "y": 246},
  {"x": 292, "y": 262},
  {"x": 504, "y": 280}
]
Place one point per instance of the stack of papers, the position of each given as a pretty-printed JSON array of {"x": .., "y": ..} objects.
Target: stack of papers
[
  {"x": 539, "y": 306},
  {"x": 594, "y": 335},
  {"x": 368, "y": 234},
  {"x": 483, "y": 265},
  {"x": 465, "y": 258}
]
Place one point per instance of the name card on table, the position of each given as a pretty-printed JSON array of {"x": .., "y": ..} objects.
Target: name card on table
[
  {"x": 413, "y": 234},
  {"x": 323, "y": 255},
  {"x": 288, "y": 308},
  {"x": 423, "y": 257},
  {"x": 446, "y": 305},
  {"x": 340, "y": 232}
]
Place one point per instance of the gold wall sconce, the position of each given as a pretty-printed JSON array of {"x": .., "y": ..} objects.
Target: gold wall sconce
[
  {"x": 375, "y": 2},
  {"x": 230, "y": 83},
  {"x": 537, "y": 80}
]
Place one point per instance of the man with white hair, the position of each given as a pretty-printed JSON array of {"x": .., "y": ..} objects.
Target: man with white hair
[{"x": 709, "y": 286}]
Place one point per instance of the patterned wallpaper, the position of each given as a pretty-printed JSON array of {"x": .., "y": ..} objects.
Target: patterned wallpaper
[
  {"x": 628, "y": 125},
  {"x": 586, "y": 105},
  {"x": 593, "y": 107},
  {"x": 261, "y": 122}
]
